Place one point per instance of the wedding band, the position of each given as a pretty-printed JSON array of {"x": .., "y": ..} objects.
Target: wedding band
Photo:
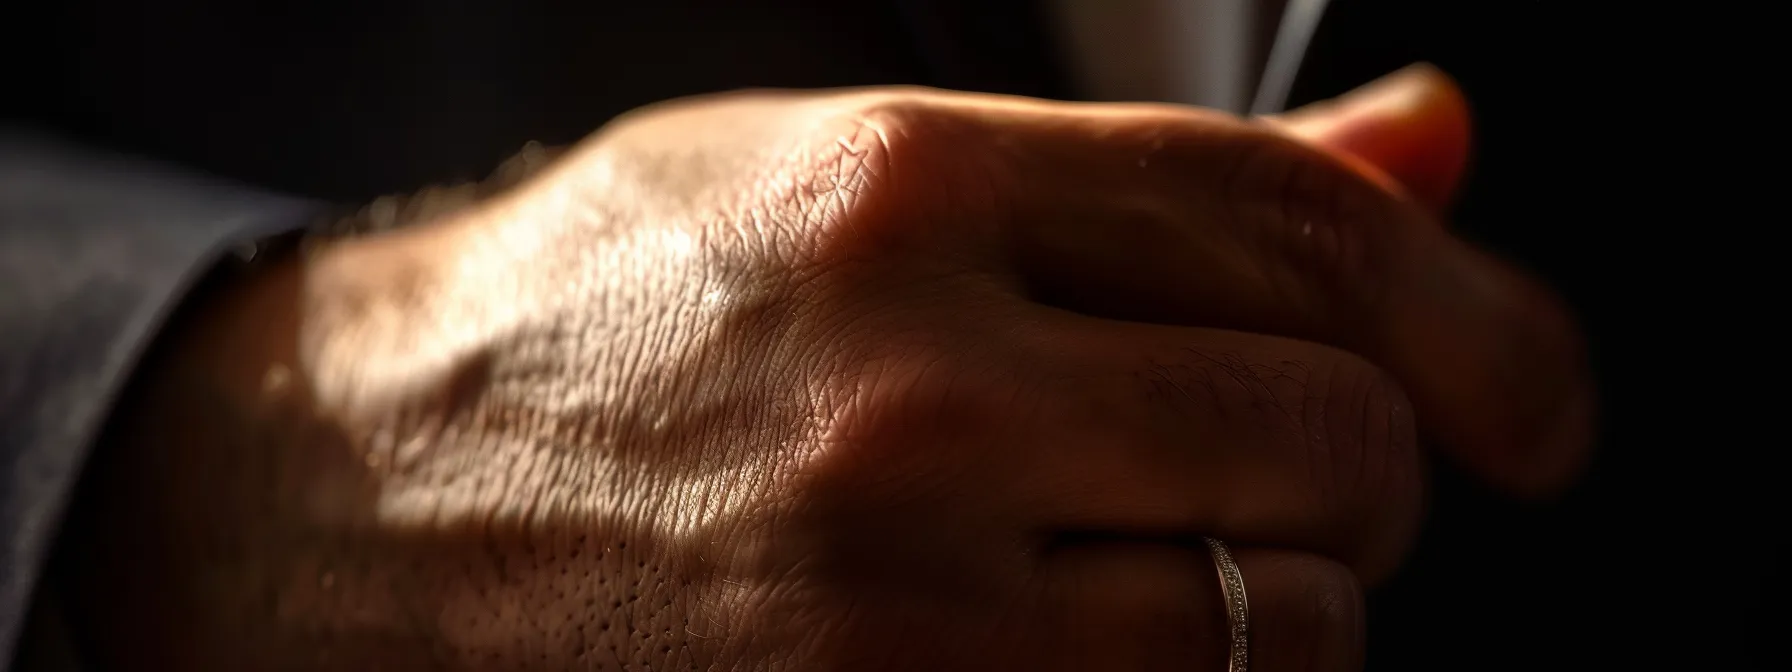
[{"x": 1238, "y": 609}]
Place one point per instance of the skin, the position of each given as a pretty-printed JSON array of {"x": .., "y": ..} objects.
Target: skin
[{"x": 879, "y": 379}]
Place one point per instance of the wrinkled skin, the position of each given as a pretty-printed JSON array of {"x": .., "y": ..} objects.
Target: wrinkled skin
[{"x": 875, "y": 380}]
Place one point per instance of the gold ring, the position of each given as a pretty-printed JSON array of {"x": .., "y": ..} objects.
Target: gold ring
[{"x": 1238, "y": 609}]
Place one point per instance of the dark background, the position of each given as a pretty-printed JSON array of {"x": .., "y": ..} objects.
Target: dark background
[
  {"x": 1667, "y": 557},
  {"x": 1608, "y": 159}
]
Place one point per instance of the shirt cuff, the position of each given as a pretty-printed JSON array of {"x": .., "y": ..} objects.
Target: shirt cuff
[{"x": 95, "y": 251}]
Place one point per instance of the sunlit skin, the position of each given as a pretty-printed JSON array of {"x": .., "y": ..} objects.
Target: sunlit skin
[{"x": 879, "y": 379}]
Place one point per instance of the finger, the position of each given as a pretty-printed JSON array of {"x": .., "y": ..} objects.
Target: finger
[
  {"x": 1160, "y": 431},
  {"x": 1163, "y": 214},
  {"x": 1408, "y": 131},
  {"x": 1120, "y": 604}
]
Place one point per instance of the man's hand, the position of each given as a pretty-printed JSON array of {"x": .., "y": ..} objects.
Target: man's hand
[{"x": 874, "y": 379}]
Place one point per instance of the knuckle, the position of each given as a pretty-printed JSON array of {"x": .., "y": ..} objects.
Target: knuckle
[
  {"x": 1365, "y": 438},
  {"x": 914, "y": 414},
  {"x": 895, "y": 170},
  {"x": 1341, "y": 430},
  {"x": 1319, "y": 223},
  {"x": 1271, "y": 394},
  {"x": 1331, "y": 594},
  {"x": 1228, "y": 384},
  {"x": 909, "y": 131},
  {"x": 1319, "y": 616}
]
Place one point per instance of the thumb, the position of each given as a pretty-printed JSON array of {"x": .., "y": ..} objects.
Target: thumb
[{"x": 1410, "y": 128}]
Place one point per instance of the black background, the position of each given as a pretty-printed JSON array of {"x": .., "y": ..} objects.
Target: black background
[{"x": 1602, "y": 163}]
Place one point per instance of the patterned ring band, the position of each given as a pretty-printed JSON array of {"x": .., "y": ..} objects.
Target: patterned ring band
[{"x": 1238, "y": 609}]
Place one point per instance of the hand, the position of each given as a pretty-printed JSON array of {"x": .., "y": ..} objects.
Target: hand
[{"x": 874, "y": 379}]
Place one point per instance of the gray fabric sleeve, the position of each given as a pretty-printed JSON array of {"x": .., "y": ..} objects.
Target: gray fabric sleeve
[{"x": 94, "y": 253}]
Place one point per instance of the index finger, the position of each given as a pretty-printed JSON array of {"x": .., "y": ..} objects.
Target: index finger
[{"x": 1179, "y": 216}]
